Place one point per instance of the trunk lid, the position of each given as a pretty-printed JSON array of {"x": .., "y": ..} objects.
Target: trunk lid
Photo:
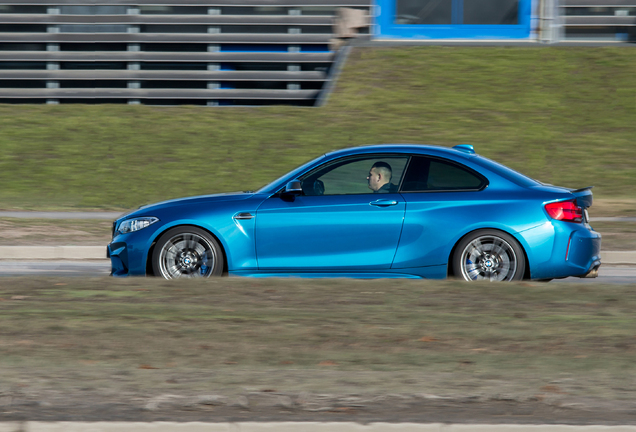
[{"x": 583, "y": 196}]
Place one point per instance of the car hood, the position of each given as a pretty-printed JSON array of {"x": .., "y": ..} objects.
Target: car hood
[{"x": 145, "y": 210}]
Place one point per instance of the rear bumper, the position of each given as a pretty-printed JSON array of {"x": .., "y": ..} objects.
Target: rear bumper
[
  {"x": 562, "y": 249},
  {"x": 585, "y": 252}
]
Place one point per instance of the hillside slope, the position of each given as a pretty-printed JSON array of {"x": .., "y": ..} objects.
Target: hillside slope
[{"x": 565, "y": 116}]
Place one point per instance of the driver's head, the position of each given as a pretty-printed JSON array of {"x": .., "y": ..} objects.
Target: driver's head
[{"x": 379, "y": 175}]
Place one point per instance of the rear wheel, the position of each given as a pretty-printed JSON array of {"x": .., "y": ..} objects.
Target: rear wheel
[
  {"x": 489, "y": 255},
  {"x": 187, "y": 252}
]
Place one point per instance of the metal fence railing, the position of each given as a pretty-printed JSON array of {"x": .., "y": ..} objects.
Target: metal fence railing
[
  {"x": 598, "y": 20},
  {"x": 167, "y": 52}
]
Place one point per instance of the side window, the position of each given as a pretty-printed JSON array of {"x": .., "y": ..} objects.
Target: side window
[
  {"x": 430, "y": 174},
  {"x": 351, "y": 176}
]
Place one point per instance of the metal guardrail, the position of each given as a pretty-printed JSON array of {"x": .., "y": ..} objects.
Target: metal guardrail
[
  {"x": 270, "y": 3},
  {"x": 597, "y": 3},
  {"x": 242, "y": 52},
  {"x": 236, "y": 38},
  {"x": 243, "y": 57},
  {"x": 166, "y": 19},
  {"x": 229, "y": 94},
  {"x": 165, "y": 75},
  {"x": 599, "y": 20}
]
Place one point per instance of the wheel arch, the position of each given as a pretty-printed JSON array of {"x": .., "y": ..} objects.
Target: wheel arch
[
  {"x": 157, "y": 236},
  {"x": 522, "y": 244}
]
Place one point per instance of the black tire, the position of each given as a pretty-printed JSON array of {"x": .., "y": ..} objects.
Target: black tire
[
  {"x": 489, "y": 255},
  {"x": 187, "y": 252}
]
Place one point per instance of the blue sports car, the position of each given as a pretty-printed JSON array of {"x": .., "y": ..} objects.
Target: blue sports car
[{"x": 370, "y": 212}]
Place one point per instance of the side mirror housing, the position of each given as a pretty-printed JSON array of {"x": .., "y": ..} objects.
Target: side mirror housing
[{"x": 294, "y": 187}]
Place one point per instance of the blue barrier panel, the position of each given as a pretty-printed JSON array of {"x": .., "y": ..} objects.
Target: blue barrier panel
[{"x": 454, "y": 19}]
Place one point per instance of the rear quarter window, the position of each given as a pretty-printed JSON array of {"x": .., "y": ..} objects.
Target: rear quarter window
[{"x": 425, "y": 174}]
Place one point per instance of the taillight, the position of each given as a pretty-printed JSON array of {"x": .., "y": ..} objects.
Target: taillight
[{"x": 566, "y": 211}]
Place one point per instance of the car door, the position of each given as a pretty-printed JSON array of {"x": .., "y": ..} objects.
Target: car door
[
  {"x": 442, "y": 197},
  {"x": 337, "y": 224}
]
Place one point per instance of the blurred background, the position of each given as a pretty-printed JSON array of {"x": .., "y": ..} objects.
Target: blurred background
[{"x": 103, "y": 104}]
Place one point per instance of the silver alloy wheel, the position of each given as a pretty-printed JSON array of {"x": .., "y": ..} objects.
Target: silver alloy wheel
[
  {"x": 187, "y": 255},
  {"x": 488, "y": 258}
]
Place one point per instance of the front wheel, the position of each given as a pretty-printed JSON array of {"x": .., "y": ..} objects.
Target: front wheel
[
  {"x": 187, "y": 252},
  {"x": 489, "y": 255}
]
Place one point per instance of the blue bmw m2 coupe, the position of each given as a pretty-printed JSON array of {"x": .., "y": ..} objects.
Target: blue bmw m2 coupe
[{"x": 382, "y": 211}]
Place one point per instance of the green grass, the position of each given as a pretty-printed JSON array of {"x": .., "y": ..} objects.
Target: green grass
[
  {"x": 322, "y": 335},
  {"x": 565, "y": 116}
]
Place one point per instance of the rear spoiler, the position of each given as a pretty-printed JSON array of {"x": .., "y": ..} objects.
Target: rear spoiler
[
  {"x": 581, "y": 190},
  {"x": 583, "y": 196}
]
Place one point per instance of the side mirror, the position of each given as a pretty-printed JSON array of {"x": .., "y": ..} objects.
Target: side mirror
[{"x": 294, "y": 187}]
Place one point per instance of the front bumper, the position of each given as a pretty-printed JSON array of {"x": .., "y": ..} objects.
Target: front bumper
[
  {"x": 118, "y": 259},
  {"x": 128, "y": 254}
]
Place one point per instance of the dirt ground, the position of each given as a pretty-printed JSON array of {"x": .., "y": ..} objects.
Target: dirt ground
[
  {"x": 51, "y": 232},
  {"x": 276, "y": 406},
  {"x": 613, "y": 207},
  {"x": 316, "y": 350}
]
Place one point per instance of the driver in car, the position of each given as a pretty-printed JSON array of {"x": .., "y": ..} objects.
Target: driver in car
[{"x": 379, "y": 178}]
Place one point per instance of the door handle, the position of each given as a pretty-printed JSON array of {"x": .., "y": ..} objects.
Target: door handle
[{"x": 383, "y": 203}]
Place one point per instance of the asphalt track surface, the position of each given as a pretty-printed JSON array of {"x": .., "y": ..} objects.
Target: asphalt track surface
[{"x": 97, "y": 268}]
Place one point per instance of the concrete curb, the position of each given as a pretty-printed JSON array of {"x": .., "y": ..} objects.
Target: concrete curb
[
  {"x": 99, "y": 252},
  {"x": 618, "y": 257},
  {"x": 293, "y": 427},
  {"x": 52, "y": 252}
]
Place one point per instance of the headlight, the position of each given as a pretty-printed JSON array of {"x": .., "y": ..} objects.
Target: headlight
[{"x": 131, "y": 225}]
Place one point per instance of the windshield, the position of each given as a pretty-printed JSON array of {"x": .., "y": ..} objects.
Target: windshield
[{"x": 292, "y": 175}]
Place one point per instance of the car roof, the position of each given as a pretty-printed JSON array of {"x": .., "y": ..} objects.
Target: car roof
[
  {"x": 401, "y": 148},
  {"x": 458, "y": 154}
]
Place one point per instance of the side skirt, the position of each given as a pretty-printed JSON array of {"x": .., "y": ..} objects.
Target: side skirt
[{"x": 433, "y": 272}]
